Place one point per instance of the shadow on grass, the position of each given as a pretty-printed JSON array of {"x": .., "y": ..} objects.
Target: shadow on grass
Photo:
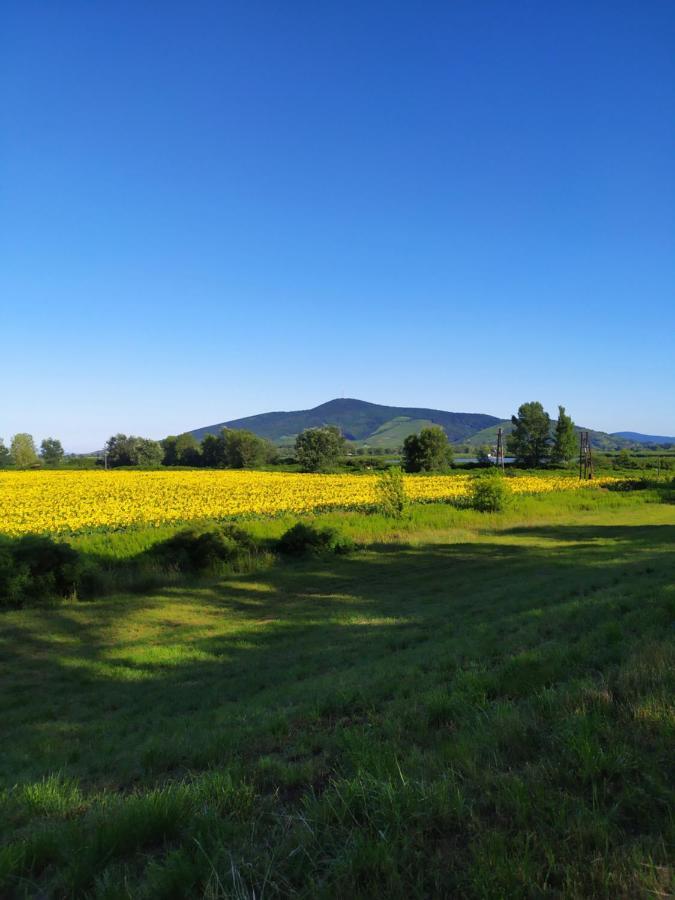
[
  {"x": 361, "y": 668},
  {"x": 650, "y": 537},
  {"x": 293, "y": 635}
]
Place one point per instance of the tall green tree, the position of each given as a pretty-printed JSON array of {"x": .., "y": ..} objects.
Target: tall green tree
[
  {"x": 181, "y": 450},
  {"x": 428, "y": 451},
  {"x": 5, "y": 456},
  {"x": 244, "y": 450},
  {"x": 318, "y": 449},
  {"x": 118, "y": 449},
  {"x": 23, "y": 451},
  {"x": 212, "y": 451},
  {"x": 188, "y": 450},
  {"x": 51, "y": 452},
  {"x": 146, "y": 452},
  {"x": 530, "y": 440},
  {"x": 564, "y": 439},
  {"x": 131, "y": 450}
]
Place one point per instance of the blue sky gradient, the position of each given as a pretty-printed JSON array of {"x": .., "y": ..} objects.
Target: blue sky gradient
[{"x": 210, "y": 210}]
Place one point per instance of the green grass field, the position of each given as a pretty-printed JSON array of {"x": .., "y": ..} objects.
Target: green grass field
[{"x": 468, "y": 706}]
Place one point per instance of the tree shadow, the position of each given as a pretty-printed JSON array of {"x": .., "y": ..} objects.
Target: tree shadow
[{"x": 132, "y": 672}]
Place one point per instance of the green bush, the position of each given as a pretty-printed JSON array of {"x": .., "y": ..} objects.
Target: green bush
[
  {"x": 391, "y": 494},
  {"x": 303, "y": 539},
  {"x": 488, "y": 493},
  {"x": 13, "y": 580},
  {"x": 203, "y": 548},
  {"x": 36, "y": 567}
]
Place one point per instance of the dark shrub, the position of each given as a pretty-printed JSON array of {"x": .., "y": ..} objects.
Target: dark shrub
[
  {"x": 303, "y": 539},
  {"x": 200, "y": 548},
  {"x": 628, "y": 484},
  {"x": 13, "y": 579},
  {"x": 37, "y": 568},
  {"x": 51, "y": 568}
]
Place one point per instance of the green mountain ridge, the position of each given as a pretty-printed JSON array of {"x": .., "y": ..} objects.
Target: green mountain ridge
[
  {"x": 359, "y": 421},
  {"x": 378, "y": 426},
  {"x": 637, "y": 438}
]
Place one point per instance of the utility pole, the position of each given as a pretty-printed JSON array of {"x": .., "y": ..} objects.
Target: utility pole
[
  {"x": 585, "y": 457},
  {"x": 500, "y": 449}
]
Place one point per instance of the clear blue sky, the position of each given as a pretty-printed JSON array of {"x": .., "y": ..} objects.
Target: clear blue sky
[{"x": 214, "y": 209}]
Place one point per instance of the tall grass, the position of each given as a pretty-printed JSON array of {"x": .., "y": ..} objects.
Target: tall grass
[{"x": 472, "y": 705}]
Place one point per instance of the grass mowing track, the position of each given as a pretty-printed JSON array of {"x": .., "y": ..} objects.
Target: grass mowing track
[{"x": 473, "y": 706}]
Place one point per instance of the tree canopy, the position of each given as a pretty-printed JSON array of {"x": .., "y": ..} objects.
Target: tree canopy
[
  {"x": 51, "y": 451},
  {"x": 564, "y": 439},
  {"x": 181, "y": 450},
  {"x": 529, "y": 442},
  {"x": 318, "y": 449},
  {"x": 23, "y": 451},
  {"x": 131, "y": 450},
  {"x": 5, "y": 457},
  {"x": 428, "y": 451}
]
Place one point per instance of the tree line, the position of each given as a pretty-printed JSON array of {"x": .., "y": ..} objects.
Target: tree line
[
  {"x": 23, "y": 453},
  {"x": 534, "y": 442}
]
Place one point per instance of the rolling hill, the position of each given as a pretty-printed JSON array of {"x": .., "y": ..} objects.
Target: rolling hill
[
  {"x": 638, "y": 438},
  {"x": 371, "y": 423},
  {"x": 377, "y": 426},
  {"x": 600, "y": 440}
]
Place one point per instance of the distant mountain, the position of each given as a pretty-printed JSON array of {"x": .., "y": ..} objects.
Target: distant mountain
[
  {"x": 600, "y": 440},
  {"x": 369, "y": 423},
  {"x": 373, "y": 425},
  {"x": 638, "y": 438}
]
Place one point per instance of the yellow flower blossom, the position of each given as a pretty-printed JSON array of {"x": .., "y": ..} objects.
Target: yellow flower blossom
[{"x": 63, "y": 501}]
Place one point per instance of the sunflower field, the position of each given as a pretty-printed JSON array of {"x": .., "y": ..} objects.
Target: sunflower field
[{"x": 73, "y": 502}]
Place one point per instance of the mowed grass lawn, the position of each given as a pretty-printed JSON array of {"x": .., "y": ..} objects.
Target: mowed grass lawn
[{"x": 470, "y": 707}]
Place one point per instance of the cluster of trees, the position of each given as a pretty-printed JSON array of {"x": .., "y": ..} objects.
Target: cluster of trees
[
  {"x": 231, "y": 449},
  {"x": 23, "y": 453},
  {"x": 536, "y": 442},
  {"x": 237, "y": 449}
]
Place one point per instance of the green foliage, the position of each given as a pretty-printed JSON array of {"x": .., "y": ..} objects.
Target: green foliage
[
  {"x": 488, "y": 493},
  {"x": 306, "y": 539},
  {"x": 5, "y": 456},
  {"x": 35, "y": 568},
  {"x": 564, "y": 439},
  {"x": 391, "y": 494},
  {"x": 23, "y": 451},
  {"x": 231, "y": 449},
  {"x": 483, "y": 455},
  {"x": 529, "y": 442},
  {"x": 181, "y": 450},
  {"x": 211, "y": 451},
  {"x": 428, "y": 451},
  {"x": 624, "y": 460},
  {"x": 133, "y": 451},
  {"x": 319, "y": 449},
  {"x": 244, "y": 450},
  {"x": 204, "y": 548},
  {"x": 51, "y": 452}
]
